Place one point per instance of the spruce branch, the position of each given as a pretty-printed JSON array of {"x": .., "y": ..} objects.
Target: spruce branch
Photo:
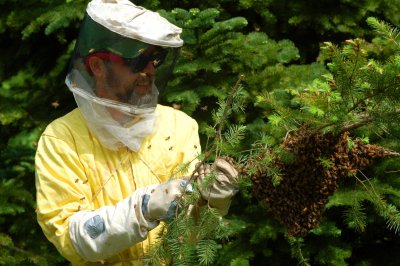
[
  {"x": 228, "y": 105},
  {"x": 346, "y": 126},
  {"x": 385, "y": 30},
  {"x": 296, "y": 244},
  {"x": 382, "y": 91},
  {"x": 221, "y": 124},
  {"x": 355, "y": 216},
  {"x": 387, "y": 211},
  {"x": 350, "y": 125},
  {"x": 356, "y": 47},
  {"x": 190, "y": 239}
]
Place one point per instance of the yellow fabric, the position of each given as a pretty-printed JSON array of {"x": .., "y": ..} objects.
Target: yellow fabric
[{"x": 72, "y": 167}]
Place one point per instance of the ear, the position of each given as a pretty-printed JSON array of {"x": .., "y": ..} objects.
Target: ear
[{"x": 97, "y": 66}]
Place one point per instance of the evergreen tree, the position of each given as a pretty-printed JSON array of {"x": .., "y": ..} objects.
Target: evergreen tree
[
  {"x": 359, "y": 94},
  {"x": 287, "y": 82},
  {"x": 36, "y": 38},
  {"x": 294, "y": 181}
]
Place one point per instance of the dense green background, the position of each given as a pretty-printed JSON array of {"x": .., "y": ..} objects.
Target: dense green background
[{"x": 274, "y": 43}]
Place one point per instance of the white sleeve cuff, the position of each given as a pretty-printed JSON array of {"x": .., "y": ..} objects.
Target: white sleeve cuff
[{"x": 103, "y": 233}]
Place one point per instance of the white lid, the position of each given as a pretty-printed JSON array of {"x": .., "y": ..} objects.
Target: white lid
[{"x": 136, "y": 22}]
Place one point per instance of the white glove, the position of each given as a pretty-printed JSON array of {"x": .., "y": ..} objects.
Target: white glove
[
  {"x": 220, "y": 192},
  {"x": 99, "y": 234},
  {"x": 161, "y": 203}
]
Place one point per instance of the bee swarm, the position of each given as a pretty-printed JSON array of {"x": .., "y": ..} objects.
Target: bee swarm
[{"x": 306, "y": 184}]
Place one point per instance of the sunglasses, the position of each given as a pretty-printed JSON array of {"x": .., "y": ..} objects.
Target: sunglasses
[{"x": 154, "y": 54}]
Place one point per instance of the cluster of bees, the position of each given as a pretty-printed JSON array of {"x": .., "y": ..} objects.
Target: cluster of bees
[{"x": 320, "y": 162}]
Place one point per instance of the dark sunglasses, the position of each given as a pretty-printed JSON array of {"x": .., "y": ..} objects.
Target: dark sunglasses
[{"x": 154, "y": 54}]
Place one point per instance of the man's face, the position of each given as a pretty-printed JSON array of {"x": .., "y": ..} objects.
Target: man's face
[{"x": 119, "y": 83}]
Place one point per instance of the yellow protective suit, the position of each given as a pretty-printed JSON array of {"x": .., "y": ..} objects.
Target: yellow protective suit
[{"x": 72, "y": 169}]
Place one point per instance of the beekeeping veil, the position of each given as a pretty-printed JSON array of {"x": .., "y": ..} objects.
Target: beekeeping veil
[{"x": 119, "y": 31}]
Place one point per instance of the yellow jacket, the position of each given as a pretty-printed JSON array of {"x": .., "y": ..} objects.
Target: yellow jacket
[{"x": 72, "y": 169}]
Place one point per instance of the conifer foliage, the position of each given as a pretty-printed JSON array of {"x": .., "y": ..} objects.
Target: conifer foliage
[
  {"x": 313, "y": 154},
  {"x": 313, "y": 126},
  {"x": 358, "y": 91}
]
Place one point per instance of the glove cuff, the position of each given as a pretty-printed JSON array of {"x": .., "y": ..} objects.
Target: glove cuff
[{"x": 102, "y": 233}]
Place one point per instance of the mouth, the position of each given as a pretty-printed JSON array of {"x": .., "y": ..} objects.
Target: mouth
[
  {"x": 142, "y": 89},
  {"x": 143, "y": 85}
]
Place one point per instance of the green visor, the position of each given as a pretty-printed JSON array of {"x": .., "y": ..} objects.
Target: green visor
[
  {"x": 94, "y": 37},
  {"x": 95, "y": 40}
]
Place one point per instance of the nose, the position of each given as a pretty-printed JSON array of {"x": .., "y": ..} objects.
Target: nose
[{"x": 149, "y": 69}]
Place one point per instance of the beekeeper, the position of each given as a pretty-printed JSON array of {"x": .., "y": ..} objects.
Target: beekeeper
[{"x": 106, "y": 173}]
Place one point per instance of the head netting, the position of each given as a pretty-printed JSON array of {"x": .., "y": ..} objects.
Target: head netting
[{"x": 137, "y": 49}]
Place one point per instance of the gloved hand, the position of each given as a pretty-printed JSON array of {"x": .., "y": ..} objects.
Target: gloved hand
[
  {"x": 160, "y": 201},
  {"x": 101, "y": 233},
  {"x": 218, "y": 193}
]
